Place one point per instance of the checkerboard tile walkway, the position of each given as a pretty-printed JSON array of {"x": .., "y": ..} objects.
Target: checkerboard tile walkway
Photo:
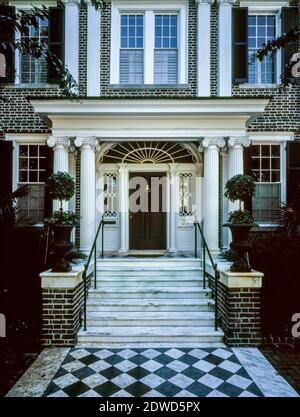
[{"x": 211, "y": 372}]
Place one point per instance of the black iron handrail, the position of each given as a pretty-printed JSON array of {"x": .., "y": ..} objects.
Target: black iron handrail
[
  {"x": 87, "y": 263},
  {"x": 206, "y": 274}
]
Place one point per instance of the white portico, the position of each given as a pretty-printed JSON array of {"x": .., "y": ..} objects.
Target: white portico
[{"x": 180, "y": 140}]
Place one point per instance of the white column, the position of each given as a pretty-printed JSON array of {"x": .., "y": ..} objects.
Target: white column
[
  {"x": 236, "y": 162},
  {"x": 225, "y": 47},
  {"x": 123, "y": 206},
  {"x": 199, "y": 192},
  {"x": 173, "y": 207},
  {"x": 211, "y": 191},
  {"x": 224, "y": 156},
  {"x": 60, "y": 161},
  {"x": 87, "y": 191},
  {"x": 93, "y": 50},
  {"x": 72, "y": 37},
  {"x": 72, "y": 172},
  {"x": 203, "y": 47}
]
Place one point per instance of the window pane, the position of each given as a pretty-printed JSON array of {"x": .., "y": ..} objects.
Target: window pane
[
  {"x": 275, "y": 150},
  {"x": 23, "y": 176},
  {"x": 131, "y": 66},
  {"x": 166, "y": 66},
  {"x": 33, "y": 150},
  {"x": 261, "y": 29}
]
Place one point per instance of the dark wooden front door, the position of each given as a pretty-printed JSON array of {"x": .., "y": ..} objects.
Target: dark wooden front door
[{"x": 147, "y": 225}]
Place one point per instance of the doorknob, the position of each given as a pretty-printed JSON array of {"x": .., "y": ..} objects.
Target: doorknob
[{"x": 130, "y": 216}]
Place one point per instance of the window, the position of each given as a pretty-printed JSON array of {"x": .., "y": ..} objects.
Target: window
[
  {"x": 166, "y": 51},
  {"x": 149, "y": 42},
  {"x": 110, "y": 194},
  {"x": 186, "y": 185},
  {"x": 34, "y": 71},
  {"x": 132, "y": 52},
  {"x": 32, "y": 170},
  {"x": 266, "y": 174},
  {"x": 261, "y": 28}
]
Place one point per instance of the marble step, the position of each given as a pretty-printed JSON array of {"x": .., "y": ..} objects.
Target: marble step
[
  {"x": 158, "y": 334},
  {"x": 150, "y": 292},
  {"x": 145, "y": 318},
  {"x": 141, "y": 305},
  {"x": 155, "y": 345},
  {"x": 141, "y": 282},
  {"x": 147, "y": 271},
  {"x": 160, "y": 261}
]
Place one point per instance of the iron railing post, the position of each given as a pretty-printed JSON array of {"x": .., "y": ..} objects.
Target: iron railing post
[
  {"x": 217, "y": 277},
  {"x": 196, "y": 243},
  {"x": 95, "y": 266},
  {"x": 84, "y": 299},
  {"x": 204, "y": 265},
  {"x": 102, "y": 240}
]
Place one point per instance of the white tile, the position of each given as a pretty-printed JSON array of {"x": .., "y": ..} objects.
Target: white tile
[
  {"x": 210, "y": 381},
  {"x": 177, "y": 366},
  {"x": 90, "y": 394},
  {"x": 103, "y": 353},
  {"x": 94, "y": 380},
  {"x": 153, "y": 393},
  {"x": 123, "y": 380},
  {"x": 174, "y": 353},
  {"x": 152, "y": 380},
  {"x": 65, "y": 380},
  {"x": 222, "y": 353},
  {"x": 151, "y": 353},
  {"x": 230, "y": 366},
  {"x": 198, "y": 353},
  {"x": 122, "y": 394},
  {"x": 126, "y": 353},
  {"x": 99, "y": 366},
  {"x": 79, "y": 353},
  {"x": 151, "y": 365},
  {"x": 73, "y": 366},
  {"x": 247, "y": 394},
  {"x": 239, "y": 381},
  {"x": 216, "y": 393},
  {"x": 181, "y": 380},
  {"x": 58, "y": 394},
  {"x": 185, "y": 393},
  {"x": 204, "y": 366},
  {"x": 125, "y": 366}
]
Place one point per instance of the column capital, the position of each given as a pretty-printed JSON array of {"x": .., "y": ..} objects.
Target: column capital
[
  {"x": 218, "y": 142},
  {"x": 198, "y": 2},
  {"x": 58, "y": 142},
  {"x": 239, "y": 142},
  {"x": 172, "y": 168},
  {"x": 68, "y": 2},
  {"x": 86, "y": 143},
  {"x": 229, "y": 2},
  {"x": 122, "y": 166}
]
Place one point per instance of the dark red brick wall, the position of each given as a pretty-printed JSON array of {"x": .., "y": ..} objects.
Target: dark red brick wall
[{"x": 240, "y": 315}]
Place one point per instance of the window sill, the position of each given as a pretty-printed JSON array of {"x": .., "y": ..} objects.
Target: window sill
[
  {"x": 31, "y": 86},
  {"x": 149, "y": 86},
  {"x": 265, "y": 227},
  {"x": 258, "y": 86}
]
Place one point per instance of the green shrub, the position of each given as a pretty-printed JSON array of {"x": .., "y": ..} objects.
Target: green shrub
[
  {"x": 240, "y": 187},
  {"x": 240, "y": 217},
  {"x": 63, "y": 217},
  {"x": 61, "y": 186}
]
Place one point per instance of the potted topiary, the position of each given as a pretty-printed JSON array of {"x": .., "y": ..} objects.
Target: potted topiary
[
  {"x": 61, "y": 186},
  {"x": 240, "y": 188}
]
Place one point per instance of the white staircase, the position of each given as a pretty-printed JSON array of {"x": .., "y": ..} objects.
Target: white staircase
[{"x": 150, "y": 302}]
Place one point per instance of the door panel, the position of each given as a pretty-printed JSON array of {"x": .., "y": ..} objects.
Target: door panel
[{"x": 147, "y": 229}]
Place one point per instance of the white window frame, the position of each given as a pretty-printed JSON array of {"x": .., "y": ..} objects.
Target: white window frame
[
  {"x": 264, "y": 8},
  {"x": 276, "y": 139},
  {"x": 27, "y": 5},
  {"x": 149, "y": 9}
]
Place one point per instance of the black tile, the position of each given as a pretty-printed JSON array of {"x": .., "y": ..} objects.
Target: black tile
[
  {"x": 163, "y": 359},
  {"x": 106, "y": 389},
  {"x": 215, "y": 360},
  {"x": 188, "y": 359},
  {"x": 199, "y": 389},
  {"x": 83, "y": 372},
  {"x": 138, "y": 389},
  {"x": 88, "y": 360},
  {"x": 76, "y": 389},
  {"x": 193, "y": 373},
  {"x": 165, "y": 372},
  {"x": 51, "y": 389},
  {"x": 168, "y": 389},
  {"x": 253, "y": 388},
  {"x": 60, "y": 372},
  {"x": 68, "y": 359},
  {"x": 138, "y": 372},
  {"x": 229, "y": 389},
  {"x": 220, "y": 373},
  {"x": 139, "y": 359},
  {"x": 114, "y": 359},
  {"x": 111, "y": 372}
]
